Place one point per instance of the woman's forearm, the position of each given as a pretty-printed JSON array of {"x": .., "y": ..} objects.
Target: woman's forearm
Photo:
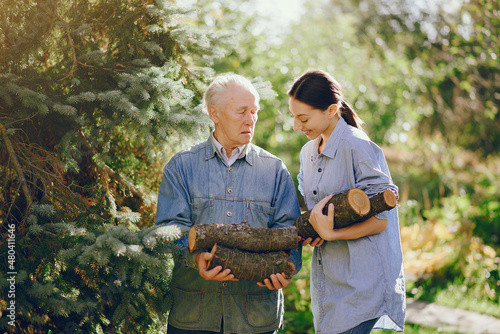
[{"x": 368, "y": 227}]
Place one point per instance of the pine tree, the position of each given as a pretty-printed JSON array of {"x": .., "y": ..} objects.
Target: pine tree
[{"x": 93, "y": 96}]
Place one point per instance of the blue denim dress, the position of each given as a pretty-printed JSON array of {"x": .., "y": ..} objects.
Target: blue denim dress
[
  {"x": 199, "y": 188},
  {"x": 353, "y": 281}
]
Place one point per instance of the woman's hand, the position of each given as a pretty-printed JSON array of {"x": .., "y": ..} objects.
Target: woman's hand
[{"x": 323, "y": 224}]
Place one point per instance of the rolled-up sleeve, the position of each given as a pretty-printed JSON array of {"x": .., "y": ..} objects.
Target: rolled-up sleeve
[{"x": 371, "y": 172}]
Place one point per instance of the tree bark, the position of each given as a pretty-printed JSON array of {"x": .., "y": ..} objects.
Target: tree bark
[
  {"x": 384, "y": 200},
  {"x": 252, "y": 266},
  {"x": 350, "y": 206},
  {"x": 242, "y": 236}
]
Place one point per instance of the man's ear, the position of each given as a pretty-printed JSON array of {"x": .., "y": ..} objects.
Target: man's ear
[{"x": 213, "y": 113}]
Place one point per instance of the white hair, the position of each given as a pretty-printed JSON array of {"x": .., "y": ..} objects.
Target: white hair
[{"x": 219, "y": 86}]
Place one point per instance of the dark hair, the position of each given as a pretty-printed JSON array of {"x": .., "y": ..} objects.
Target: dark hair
[{"x": 320, "y": 90}]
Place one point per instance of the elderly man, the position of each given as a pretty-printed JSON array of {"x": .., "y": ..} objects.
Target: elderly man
[{"x": 224, "y": 180}]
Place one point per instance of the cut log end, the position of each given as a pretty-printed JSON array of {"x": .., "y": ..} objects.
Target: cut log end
[
  {"x": 192, "y": 239},
  {"x": 359, "y": 201},
  {"x": 390, "y": 198},
  {"x": 214, "y": 249}
]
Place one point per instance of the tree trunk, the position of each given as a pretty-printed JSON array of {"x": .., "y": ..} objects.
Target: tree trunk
[
  {"x": 252, "y": 266},
  {"x": 350, "y": 206},
  {"x": 242, "y": 236}
]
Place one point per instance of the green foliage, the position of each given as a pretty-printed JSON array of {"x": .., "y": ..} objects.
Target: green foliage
[
  {"x": 453, "y": 53},
  {"x": 448, "y": 229},
  {"x": 444, "y": 260},
  {"x": 298, "y": 315},
  {"x": 94, "y": 97},
  {"x": 93, "y": 274},
  {"x": 106, "y": 78}
]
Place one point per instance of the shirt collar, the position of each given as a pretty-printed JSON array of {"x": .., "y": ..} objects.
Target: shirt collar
[
  {"x": 333, "y": 141},
  {"x": 238, "y": 152}
]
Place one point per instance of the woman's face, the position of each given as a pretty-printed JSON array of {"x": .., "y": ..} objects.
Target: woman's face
[{"x": 312, "y": 122}]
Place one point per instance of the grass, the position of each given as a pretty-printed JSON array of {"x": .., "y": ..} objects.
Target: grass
[{"x": 455, "y": 294}]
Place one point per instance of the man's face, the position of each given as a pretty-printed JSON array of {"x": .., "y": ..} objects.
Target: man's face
[{"x": 235, "y": 117}]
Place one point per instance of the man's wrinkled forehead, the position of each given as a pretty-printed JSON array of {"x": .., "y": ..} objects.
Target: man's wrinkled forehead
[{"x": 238, "y": 95}]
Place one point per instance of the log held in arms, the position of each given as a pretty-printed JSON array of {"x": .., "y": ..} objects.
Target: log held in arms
[
  {"x": 242, "y": 236},
  {"x": 351, "y": 207},
  {"x": 252, "y": 266}
]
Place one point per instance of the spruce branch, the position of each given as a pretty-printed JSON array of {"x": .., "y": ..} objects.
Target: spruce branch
[
  {"x": 101, "y": 68},
  {"x": 17, "y": 165},
  {"x": 73, "y": 52},
  {"x": 71, "y": 44},
  {"x": 111, "y": 173}
]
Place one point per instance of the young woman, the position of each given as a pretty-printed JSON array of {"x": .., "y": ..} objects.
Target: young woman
[{"x": 357, "y": 278}]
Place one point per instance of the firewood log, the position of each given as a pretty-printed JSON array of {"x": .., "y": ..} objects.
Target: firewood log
[
  {"x": 242, "y": 236},
  {"x": 252, "y": 266},
  {"x": 350, "y": 207}
]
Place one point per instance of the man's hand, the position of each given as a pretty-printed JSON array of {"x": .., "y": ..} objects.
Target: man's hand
[
  {"x": 276, "y": 282},
  {"x": 215, "y": 274},
  {"x": 314, "y": 243}
]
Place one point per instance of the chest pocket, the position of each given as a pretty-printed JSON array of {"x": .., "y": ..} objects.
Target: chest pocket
[
  {"x": 202, "y": 210},
  {"x": 259, "y": 215}
]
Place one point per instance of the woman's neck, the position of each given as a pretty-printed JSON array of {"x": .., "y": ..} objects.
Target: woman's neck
[{"x": 326, "y": 134}]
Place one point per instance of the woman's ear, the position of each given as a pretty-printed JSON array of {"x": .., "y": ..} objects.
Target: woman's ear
[{"x": 332, "y": 110}]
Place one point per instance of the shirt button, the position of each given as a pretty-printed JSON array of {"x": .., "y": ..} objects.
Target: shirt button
[
  {"x": 230, "y": 191},
  {"x": 320, "y": 170},
  {"x": 315, "y": 192},
  {"x": 229, "y": 214},
  {"x": 224, "y": 284},
  {"x": 230, "y": 169}
]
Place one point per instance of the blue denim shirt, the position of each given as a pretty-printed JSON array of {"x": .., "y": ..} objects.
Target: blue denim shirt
[
  {"x": 353, "y": 281},
  {"x": 199, "y": 188}
]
